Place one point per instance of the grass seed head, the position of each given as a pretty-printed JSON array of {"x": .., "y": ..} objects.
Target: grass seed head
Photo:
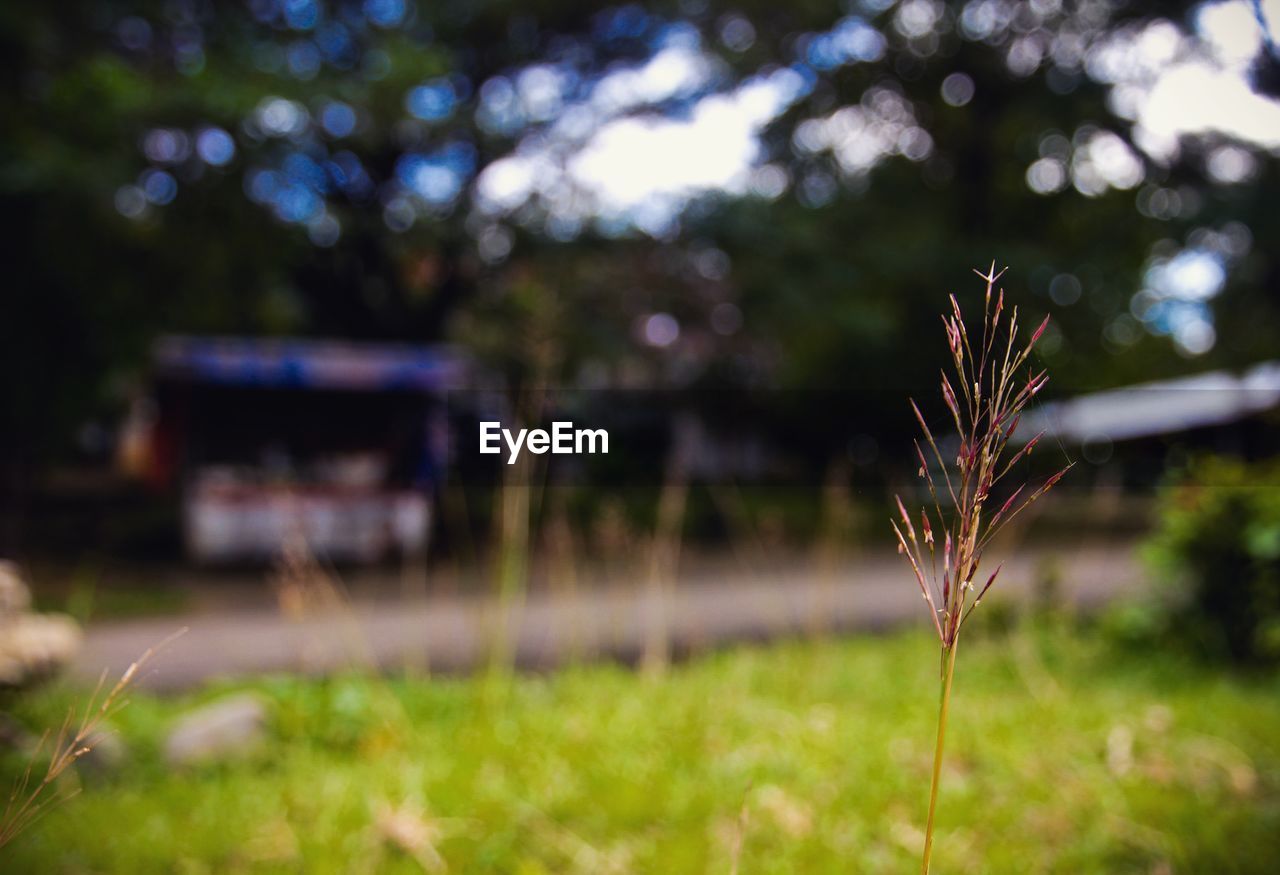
[{"x": 986, "y": 417}]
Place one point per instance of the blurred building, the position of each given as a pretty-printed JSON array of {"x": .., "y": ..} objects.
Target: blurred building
[
  {"x": 340, "y": 444},
  {"x": 1165, "y": 407},
  {"x": 1142, "y": 426}
]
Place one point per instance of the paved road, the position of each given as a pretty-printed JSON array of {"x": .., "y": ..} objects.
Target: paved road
[{"x": 712, "y": 605}]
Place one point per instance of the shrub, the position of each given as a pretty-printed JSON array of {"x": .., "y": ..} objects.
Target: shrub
[{"x": 1218, "y": 540}]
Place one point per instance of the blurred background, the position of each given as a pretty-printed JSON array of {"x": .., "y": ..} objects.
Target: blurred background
[{"x": 269, "y": 263}]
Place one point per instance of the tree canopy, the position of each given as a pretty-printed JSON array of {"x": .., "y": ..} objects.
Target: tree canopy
[{"x": 703, "y": 192}]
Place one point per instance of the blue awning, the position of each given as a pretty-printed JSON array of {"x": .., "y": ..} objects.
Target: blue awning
[{"x": 309, "y": 364}]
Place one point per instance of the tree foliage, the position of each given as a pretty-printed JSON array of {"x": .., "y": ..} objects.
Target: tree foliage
[{"x": 316, "y": 167}]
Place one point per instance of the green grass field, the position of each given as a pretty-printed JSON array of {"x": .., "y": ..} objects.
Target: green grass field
[{"x": 1066, "y": 755}]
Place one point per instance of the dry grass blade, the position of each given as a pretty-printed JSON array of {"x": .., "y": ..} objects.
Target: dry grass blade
[
  {"x": 740, "y": 832},
  {"x": 27, "y": 801}
]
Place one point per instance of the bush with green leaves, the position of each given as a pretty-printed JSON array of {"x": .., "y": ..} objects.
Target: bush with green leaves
[{"x": 1218, "y": 538}]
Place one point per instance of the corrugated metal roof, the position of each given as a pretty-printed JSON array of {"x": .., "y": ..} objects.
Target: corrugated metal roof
[{"x": 1164, "y": 407}]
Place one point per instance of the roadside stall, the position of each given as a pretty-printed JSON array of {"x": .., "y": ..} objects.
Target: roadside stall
[{"x": 341, "y": 444}]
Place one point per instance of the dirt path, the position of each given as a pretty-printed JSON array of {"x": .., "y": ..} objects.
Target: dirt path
[{"x": 708, "y": 607}]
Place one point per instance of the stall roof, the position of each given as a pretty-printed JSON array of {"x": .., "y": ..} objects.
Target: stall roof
[
  {"x": 309, "y": 364},
  {"x": 1160, "y": 408}
]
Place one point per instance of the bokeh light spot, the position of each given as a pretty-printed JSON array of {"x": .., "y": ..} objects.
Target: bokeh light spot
[
  {"x": 1046, "y": 176},
  {"x": 338, "y": 119},
  {"x": 159, "y": 187},
  {"x": 957, "y": 89},
  {"x": 660, "y": 330},
  {"x": 130, "y": 202},
  {"x": 215, "y": 146},
  {"x": 324, "y": 230},
  {"x": 432, "y": 101},
  {"x": 384, "y": 13},
  {"x": 166, "y": 145},
  {"x": 1065, "y": 289}
]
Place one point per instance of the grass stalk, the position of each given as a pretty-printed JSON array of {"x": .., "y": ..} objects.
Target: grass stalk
[
  {"x": 956, "y": 524},
  {"x": 948, "y": 674},
  {"x": 28, "y": 798}
]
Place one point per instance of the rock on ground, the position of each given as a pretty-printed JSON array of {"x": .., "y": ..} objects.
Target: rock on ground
[
  {"x": 32, "y": 646},
  {"x": 226, "y": 728}
]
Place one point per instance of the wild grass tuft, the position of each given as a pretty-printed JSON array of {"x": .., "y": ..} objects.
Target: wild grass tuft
[
  {"x": 955, "y": 530},
  {"x": 31, "y": 797}
]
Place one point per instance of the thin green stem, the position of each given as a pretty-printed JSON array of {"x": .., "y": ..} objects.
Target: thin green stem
[{"x": 948, "y": 672}]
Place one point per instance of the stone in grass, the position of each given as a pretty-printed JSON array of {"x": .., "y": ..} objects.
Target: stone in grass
[
  {"x": 32, "y": 646},
  {"x": 224, "y": 729},
  {"x": 107, "y": 752},
  {"x": 15, "y": 597}
]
